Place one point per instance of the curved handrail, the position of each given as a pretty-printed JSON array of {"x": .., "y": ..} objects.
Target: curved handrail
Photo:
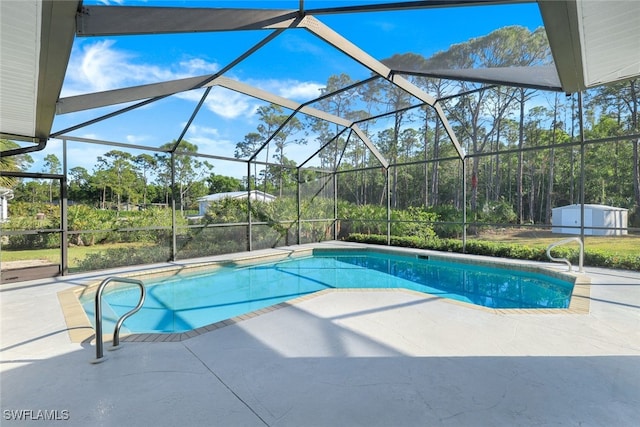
[
  {"x": 98, "y": 313},
  {"x": 562, "y": 242}
]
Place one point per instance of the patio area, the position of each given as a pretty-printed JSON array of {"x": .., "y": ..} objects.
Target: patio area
[{"x": 351, "y": 358}]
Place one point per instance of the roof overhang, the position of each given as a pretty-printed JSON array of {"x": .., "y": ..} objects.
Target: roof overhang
[
  {"x": 35, "y": 44},
  {"x": 593, "y": 42}
]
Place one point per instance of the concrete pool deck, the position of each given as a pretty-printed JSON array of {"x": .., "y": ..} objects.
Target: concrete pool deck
[{"x": 349, "y": 358}]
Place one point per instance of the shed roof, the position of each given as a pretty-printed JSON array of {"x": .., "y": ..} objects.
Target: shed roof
[{"x": 592, "y": 207}]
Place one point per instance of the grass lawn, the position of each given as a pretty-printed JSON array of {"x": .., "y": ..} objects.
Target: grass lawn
[
  {"x": 621, "y": 245},
  {"x": 76, "y": 253}
]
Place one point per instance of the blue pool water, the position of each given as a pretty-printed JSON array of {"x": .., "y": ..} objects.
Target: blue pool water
[{"x": 185, "y": 302}]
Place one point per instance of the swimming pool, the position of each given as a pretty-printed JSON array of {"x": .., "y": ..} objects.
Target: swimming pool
[{"x": 184, "y": 302}]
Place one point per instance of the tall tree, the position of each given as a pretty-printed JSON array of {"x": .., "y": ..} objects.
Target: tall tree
[
  {"x": 52, "y": 165},
  {"x": 79, "y": 187},
  {"x": 12, "y": 164},
  {"x": 223, "y": 184},
  {"x": 189, "y": 170},
  {"x": 246, "y": 148},
  {"x": 481, "y": 113},
  {"x": 147, "y": 164},
  {"x": 622, "y": 100},
  {"x": 278, "y": 128},
  {"x": 340, "y": 104},
  {"x": 122, "y": 176}
]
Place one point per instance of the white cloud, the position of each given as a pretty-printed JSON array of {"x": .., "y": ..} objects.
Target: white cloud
[
  {"x": 202, "y": 130},
  {"x": 225, "y": 103},
  {"x": 301, "y": 90},
  {"x": 196, "y": 66},
  {"x": 290, "y": 89},
  {"x": 208, "y": 140},
  {"x": 100, "y": 66},
  {"x": 230, "y": 105},
  {"x": 136, "y": 139}
]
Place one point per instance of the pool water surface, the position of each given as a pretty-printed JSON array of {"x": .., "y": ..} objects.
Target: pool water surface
[{"x": 185, "y": 302}]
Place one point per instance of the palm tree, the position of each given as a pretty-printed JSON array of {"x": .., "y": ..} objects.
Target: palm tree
[{"x": 12, "y": 163}]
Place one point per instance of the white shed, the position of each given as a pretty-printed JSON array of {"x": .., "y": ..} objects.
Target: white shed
[
  {"x": 203, "y": 202},
  {"x": 606, "y": 220}
]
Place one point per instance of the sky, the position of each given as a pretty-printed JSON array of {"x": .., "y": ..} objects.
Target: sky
[{"x": 294, "y": 65}]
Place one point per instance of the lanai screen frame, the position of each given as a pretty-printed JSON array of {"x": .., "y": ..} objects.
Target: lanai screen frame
[
  {"x": 110, "y": 20},
  {"x": 278, "y": 21}
]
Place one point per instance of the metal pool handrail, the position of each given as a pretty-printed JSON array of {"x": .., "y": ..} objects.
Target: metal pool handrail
[
  {"x": 562, "y": 242},
  {"x": 98, "y": 310}
]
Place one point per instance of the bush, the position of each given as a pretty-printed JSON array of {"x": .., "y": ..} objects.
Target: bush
[
  {"x": 450, "y": 215},
  {"x": 39, "y": 240},
  {"x": 500, "y": 212},
  {"x": 120, "y": 257},
  {"x": 502, "y": 250},
  {"x": 415, "y": 222}
]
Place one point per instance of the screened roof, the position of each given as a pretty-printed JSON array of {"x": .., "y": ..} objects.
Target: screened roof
[{"x": 592, "y": 43}]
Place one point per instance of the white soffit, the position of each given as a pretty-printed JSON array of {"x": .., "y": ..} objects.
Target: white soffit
[
  {"x": 19, "y": 53},
  {"x": 35, "y": 44},
  {"x": 610, "y": 40},
  {"x": 594, "y": 42}
]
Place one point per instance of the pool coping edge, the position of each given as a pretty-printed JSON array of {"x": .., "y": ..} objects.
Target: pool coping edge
[{"x": 79, "y": 326}]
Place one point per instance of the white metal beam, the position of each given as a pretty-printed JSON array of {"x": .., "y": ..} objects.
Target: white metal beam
[
  {"x": 370, "y": 146},
  {"x": 136, "y": 93},
  {"x": 345, "y": 46},
  {"x": 72, "y": 104},
  {"x": 129, "y": 20}
]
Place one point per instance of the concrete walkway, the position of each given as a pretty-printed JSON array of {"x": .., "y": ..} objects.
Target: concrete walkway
[{"x": 349, "y": 358}]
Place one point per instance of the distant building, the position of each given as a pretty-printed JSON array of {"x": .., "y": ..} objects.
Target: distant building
[
  {"x": 204, "y": 202},
  {"x": 605, "y": 220},
  {"x": 6, "y": 194}
]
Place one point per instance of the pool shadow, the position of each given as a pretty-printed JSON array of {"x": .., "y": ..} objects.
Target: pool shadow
[{"x": 300, "y": 368}]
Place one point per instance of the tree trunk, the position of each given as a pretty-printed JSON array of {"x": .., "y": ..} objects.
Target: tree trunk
[
  {"x": 426, "y": 157},
  {"x": 434, "y": 167},
  {"x": 497, "y": 177},
  {"x": 549, "y": 202},
  {"x": 520, "y": 170}
]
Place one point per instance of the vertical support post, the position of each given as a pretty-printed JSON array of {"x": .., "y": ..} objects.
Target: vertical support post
[
  {"x": 582, "y": 162},
  {"x": 464, "y": 204},
  {"x": 249, "y": 231},
  {"x": 335, "y": 205},
  {"x": 64, "y": 206},
  {"x": 174, "y": 231},
  {"x": 298, "y": 197},
  {"x": 386, "y": 177}
]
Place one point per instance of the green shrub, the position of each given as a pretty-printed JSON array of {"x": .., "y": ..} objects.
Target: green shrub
[
  {"x": 120, "y": 257},
  {"x": 495, "y": 249},
  {"x": 450, "y": 219},
  {"x": 30, "y": 209},
  {"x": 414, "y": 222},
  {"x": 500, "y": 212}
]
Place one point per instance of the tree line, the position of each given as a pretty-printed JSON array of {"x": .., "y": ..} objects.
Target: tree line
[{"x": 523, "y": 145}]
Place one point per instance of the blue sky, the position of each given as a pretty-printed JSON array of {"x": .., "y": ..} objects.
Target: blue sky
[{"x": 294, "y": 65}]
